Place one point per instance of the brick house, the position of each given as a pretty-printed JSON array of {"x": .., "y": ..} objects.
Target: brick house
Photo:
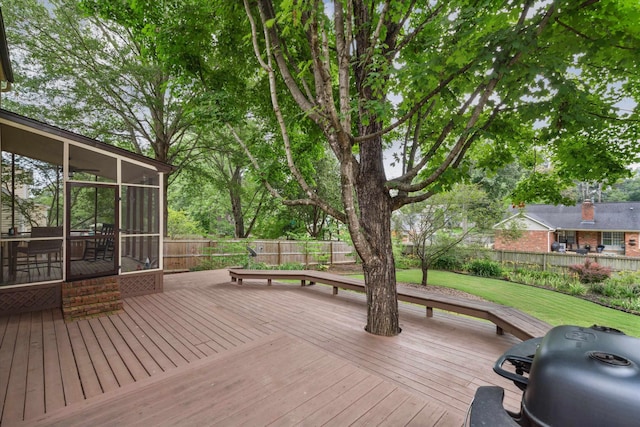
[{"x": 609, "y": 228}]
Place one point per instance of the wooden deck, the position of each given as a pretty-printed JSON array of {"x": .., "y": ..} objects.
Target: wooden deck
[{"x": 208, "y": 351}]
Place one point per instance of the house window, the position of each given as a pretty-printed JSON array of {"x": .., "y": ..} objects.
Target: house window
[
  {"x": 568, "y": 237},
  {"x": 612, "y": 238}
]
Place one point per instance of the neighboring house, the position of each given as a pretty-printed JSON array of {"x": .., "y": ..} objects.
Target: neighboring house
[{"x": 610, "y": 228}]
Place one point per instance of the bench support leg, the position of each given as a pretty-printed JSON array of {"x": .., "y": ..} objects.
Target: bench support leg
[
  {"x": 239, "y": 281},
  {"x": 335, "y": 290},
  {"x": 303, "y": 283},
  {"x": 268, "y": 282},
  {"x": 429, "y": 311},
  {"x": 233, "y": 279},
  {"x": 499, "y": 330}
]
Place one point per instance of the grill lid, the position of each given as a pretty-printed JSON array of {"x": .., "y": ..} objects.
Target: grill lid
[{"x": 584, "y": 376}]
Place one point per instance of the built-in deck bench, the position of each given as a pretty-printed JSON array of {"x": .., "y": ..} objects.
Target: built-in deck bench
[{"x": 505, "y": 318}]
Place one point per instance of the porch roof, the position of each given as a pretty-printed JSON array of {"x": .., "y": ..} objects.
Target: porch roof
[{"x": 25, "y": 136}]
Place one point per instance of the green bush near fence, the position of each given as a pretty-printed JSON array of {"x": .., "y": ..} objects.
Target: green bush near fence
[
  {"x": 225, "y": 254},
  {"x": 484, "y": 268}
]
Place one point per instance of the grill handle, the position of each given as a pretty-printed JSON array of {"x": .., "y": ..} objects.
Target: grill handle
[{"x": 518, "y": 379}]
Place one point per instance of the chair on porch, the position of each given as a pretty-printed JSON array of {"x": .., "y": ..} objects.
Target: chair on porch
[
  {"x": 35, "y": 248},
  {"x": 101, "y": 245}
]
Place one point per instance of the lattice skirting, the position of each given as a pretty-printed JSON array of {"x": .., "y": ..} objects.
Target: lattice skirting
[
  {"x": 141, "y": 284},
  {"x": 30, "y": 298}
]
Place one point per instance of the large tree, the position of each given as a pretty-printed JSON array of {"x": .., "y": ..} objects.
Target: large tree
[{"x": 483, "y": 79}]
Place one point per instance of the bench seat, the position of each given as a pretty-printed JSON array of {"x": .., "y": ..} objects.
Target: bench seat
[{"x": 505, "y": 318}]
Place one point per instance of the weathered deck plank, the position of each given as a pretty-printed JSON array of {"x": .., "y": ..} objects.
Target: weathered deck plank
[
  {"x": 34, "y": 398},
  {"x": 7, "y": 351},
  {"x": 86, "y": 371},
  {"x": 139, "y": 340},
  {"x": 16, "y": 384},
  {"x": 131, "y": 367},
  {"x": 72, "y": 386},
  {"x": 52, "y": 366}
]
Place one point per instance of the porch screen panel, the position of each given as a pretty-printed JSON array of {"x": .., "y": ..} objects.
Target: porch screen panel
[
  {"x": 140, "y": 218},
  {"x": 146, "y": 255},
  {"x": 31, "y": 216}
]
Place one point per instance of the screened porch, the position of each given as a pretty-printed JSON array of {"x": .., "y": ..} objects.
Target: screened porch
[{"x": 73, "y": 208}]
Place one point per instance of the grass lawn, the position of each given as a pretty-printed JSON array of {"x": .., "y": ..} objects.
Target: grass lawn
[{"x": 552, "y": 307}]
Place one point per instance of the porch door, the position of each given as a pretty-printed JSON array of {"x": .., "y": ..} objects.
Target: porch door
[{"x": 92, "y": 230}]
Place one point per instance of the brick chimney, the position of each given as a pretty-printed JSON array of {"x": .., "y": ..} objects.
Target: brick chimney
[{"x": 588, "y": 211}]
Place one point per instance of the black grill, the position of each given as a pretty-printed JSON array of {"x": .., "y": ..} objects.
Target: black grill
[{"x": 572, "y": 376}]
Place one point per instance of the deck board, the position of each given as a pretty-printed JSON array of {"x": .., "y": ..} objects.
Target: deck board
[
  {"x": 16, "y": 384},
  {"x": 98, "y": 357},
  {"x": 132, "y": 369},
  {"x": 113, "y": 357},
  {"x": 7, "y": 350},
  {"x": 54, "y": 399},
  {"x": 71, "y": 382},
  {"x": 34, "y": 398},
  {"x": 139, "y": 339},
  {"x": 88, "y": 377},
  {"x": 427, "y": 374}
]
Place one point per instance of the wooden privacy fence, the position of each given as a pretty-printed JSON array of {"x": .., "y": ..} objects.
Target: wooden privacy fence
[
  {"x": 561, "y": 261},
  {"x": 189, "y": 254}
]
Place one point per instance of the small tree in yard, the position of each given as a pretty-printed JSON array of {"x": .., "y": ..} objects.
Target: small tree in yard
[{"x": 444, "y": 221}]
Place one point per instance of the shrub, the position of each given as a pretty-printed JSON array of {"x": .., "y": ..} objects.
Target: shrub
[
  {"x": 484, "y": 268},
  {"x": 449, "y": 262},
  {"x": 407, "y": 261},
  {"x": 626, "y": 277},
  {"x": 627, "y": 292},
  {"x": 630, "y": 305},
  {"x": 597, "y": 288},
  {"x": 290, "y": 266},
  {"x": 591, "y": 271},
  {"x": 577, "y": 289}
]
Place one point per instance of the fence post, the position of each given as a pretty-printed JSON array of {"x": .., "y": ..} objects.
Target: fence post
[
  {"x": 279, "y": 253},
  {"x": 305, "y": 249},
  {"x": 331, "y": 252}
]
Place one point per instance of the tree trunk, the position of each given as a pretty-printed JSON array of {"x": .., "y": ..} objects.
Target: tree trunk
[
  {"x": 379, "y": 268},
  {"x": 382, "y": 297},
  {"x": 425, "y": 270},
  {"x": 236, "y": 203}
]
